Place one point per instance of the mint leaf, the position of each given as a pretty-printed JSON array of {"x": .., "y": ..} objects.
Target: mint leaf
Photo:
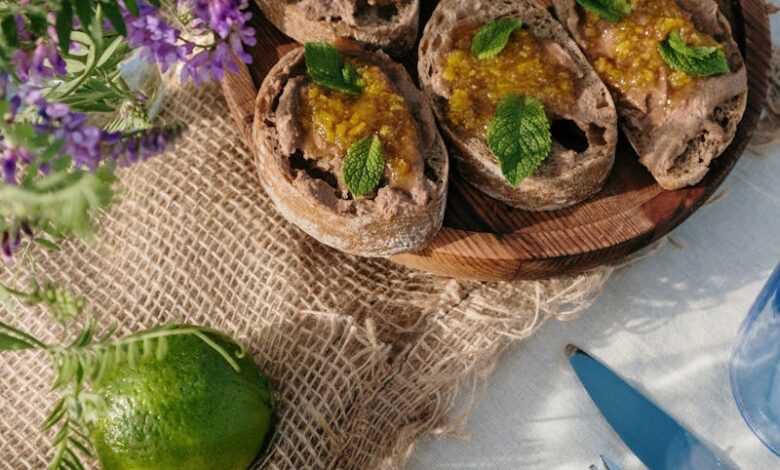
[
  {"x": 326, "y": 67},
  {"x": 364, "y": 166},
  {"x": 610, "y": 10},
  {"x": 519, "y": 136},
  {"x": 492, "y": 38},
  {"x": 695, "y": 61}
]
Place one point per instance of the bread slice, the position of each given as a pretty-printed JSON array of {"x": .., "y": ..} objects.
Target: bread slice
[
  {"x": 309, "y": 192},
  {"x": 678, "y": 142},
  {"x": 568, "y": 176},
  {"x": 391, "y": 25}
]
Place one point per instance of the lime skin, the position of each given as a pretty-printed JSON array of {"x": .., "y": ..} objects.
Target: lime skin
[{"x": 188, "y": 410}]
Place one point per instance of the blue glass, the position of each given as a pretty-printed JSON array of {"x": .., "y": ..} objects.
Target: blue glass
[{"x": 755, "y": 366}]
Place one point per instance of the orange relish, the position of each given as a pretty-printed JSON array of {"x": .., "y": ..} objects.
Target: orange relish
[
  {"x": 522, "y": 68},
  {"x": 625, "y": 54},
  {"x": 341, "y": 119}
]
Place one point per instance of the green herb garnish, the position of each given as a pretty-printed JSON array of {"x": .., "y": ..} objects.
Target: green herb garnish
[
  {"x": 695, "y": 61},
  {"x": 492, "y": 38},
  {"x": 610, "y": 10},
  {"x": 519, "y": 136},
  {"x": 83, "y": 363},
  {"x": 327, "y": 68},
  {"x": 364, "y": 166}
]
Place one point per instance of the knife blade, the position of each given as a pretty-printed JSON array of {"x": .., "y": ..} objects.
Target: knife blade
[{"x": 659, "y": 441}]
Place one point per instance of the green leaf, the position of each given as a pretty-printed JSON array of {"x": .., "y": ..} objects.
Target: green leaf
[
  {"x": 132, "y": 7},
  {"x": 38, "y": 24},
  {"x": 66, "y": 200},
  {"x": 492, "y": 38},
  {"x": 8, "y": 25},
  {"x": 117, "y": 47},
  {"x": 695, "y": 61},
  {"x": 12, "y": 339},
  {"x": 64, "y": 25},
  {"x": 84, "y": 10},
  {"x": 326, "y": 67},
  {"x": 350, "y": 73},
  {"x": 364, "y": 166},
  {"x": 610, "y": 10},
  {"x": 11, "y": 343},
  {"x": 55, "y": 415},
  {"x": 114, "y": 15},
  {"x": 74, "y": 65},
  {"x": 519, "y": 136},
  {"x": 162, "y": 348},
  {"x": 48, "y": 244}
]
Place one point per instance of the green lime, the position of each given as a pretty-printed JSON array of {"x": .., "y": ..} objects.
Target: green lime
[{"x": 188, "y": 410}]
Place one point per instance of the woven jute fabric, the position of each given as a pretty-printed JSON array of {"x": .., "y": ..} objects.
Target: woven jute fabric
[{"x": 365, "y": 356}]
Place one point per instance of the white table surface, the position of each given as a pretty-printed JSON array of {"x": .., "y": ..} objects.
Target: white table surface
[{"x": 668, "y": 323}]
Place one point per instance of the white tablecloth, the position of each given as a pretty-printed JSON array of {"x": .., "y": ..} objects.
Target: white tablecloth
[{"x": 668, "y": 323}]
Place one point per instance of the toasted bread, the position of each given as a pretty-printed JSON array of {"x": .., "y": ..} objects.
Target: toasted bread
[
  {"x": 309, "y": 192},
  {"x": 391, "y": 25},
  {"x": 678, "y": 141},
  {"x": 568, "y": 176}
]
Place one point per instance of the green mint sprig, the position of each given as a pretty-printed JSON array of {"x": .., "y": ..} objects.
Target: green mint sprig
[
  {"x": 519, "y": 136},
  {"x": 610, "y": 10},
  {"x": 326, "y": 67},
  {"x": 695, "y": 61},
  {"x": 364, "y": 166},
  {"x": 492, "y": 38}
]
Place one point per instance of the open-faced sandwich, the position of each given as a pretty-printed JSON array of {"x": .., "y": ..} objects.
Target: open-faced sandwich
[
  {"x": 391, "y": 25},
  {"x": 349, "y": 150},
  {"x": 676, "y": 73},
  {"x": 530, "y": 122}
]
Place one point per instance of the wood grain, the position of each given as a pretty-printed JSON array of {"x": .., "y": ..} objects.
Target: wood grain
[{"x": 487, "y": 240}]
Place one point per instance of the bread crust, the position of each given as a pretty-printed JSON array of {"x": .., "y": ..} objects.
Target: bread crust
[
  {"x": 678, "y": 146},
  {"x": 335, "y": 20},
  {"x": 392, "y": 222},
  {"x": 567, "y": 177}
]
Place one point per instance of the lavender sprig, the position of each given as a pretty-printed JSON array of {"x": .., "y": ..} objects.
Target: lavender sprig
[
  {"x": 227, "y": 21},
  {"x": 58, "y": 168}
]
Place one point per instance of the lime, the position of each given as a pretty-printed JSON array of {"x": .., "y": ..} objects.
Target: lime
[{"x": 187, "y": 410}]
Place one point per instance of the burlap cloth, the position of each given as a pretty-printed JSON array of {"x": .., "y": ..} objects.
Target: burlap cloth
[{"x": 365, "y": 356}]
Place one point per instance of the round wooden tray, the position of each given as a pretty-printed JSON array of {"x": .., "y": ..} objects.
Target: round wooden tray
[{"x": 486, "y": 240}]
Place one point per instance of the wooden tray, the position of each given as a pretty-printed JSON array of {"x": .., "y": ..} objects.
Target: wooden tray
[{"x": 487, "y": 240}]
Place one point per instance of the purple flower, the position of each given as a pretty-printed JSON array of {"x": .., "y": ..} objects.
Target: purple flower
[
  {"x": 39, "y": 64},
  {"x": 228, "y": 20},
  {"x": 159, "y": 41},
  {"x": 142, "y": 146},
  {"x": 11, "y": 239},
  {"x": 37, "y": 60},
  {"x": 11, "y": 158},
  {"x": 163, "y": 44},
  {"x": 9, "y": 242},
  {"x": 21, "y": 29}
]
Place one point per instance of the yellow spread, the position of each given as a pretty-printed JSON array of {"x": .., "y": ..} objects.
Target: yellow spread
[
  {"x": 625, "y": 54},
  {"x": 522, "y": 68},
  {"x": 340, "y": 120}
]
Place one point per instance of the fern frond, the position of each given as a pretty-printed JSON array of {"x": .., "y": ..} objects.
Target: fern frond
[
  {"x": 12, "y": 339},
  {"x": 55, "y": 415},
  {"x": 63, "y": 305},
  {"x": 228, "y": 358},
  {"x": 71, "y": 440}
]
